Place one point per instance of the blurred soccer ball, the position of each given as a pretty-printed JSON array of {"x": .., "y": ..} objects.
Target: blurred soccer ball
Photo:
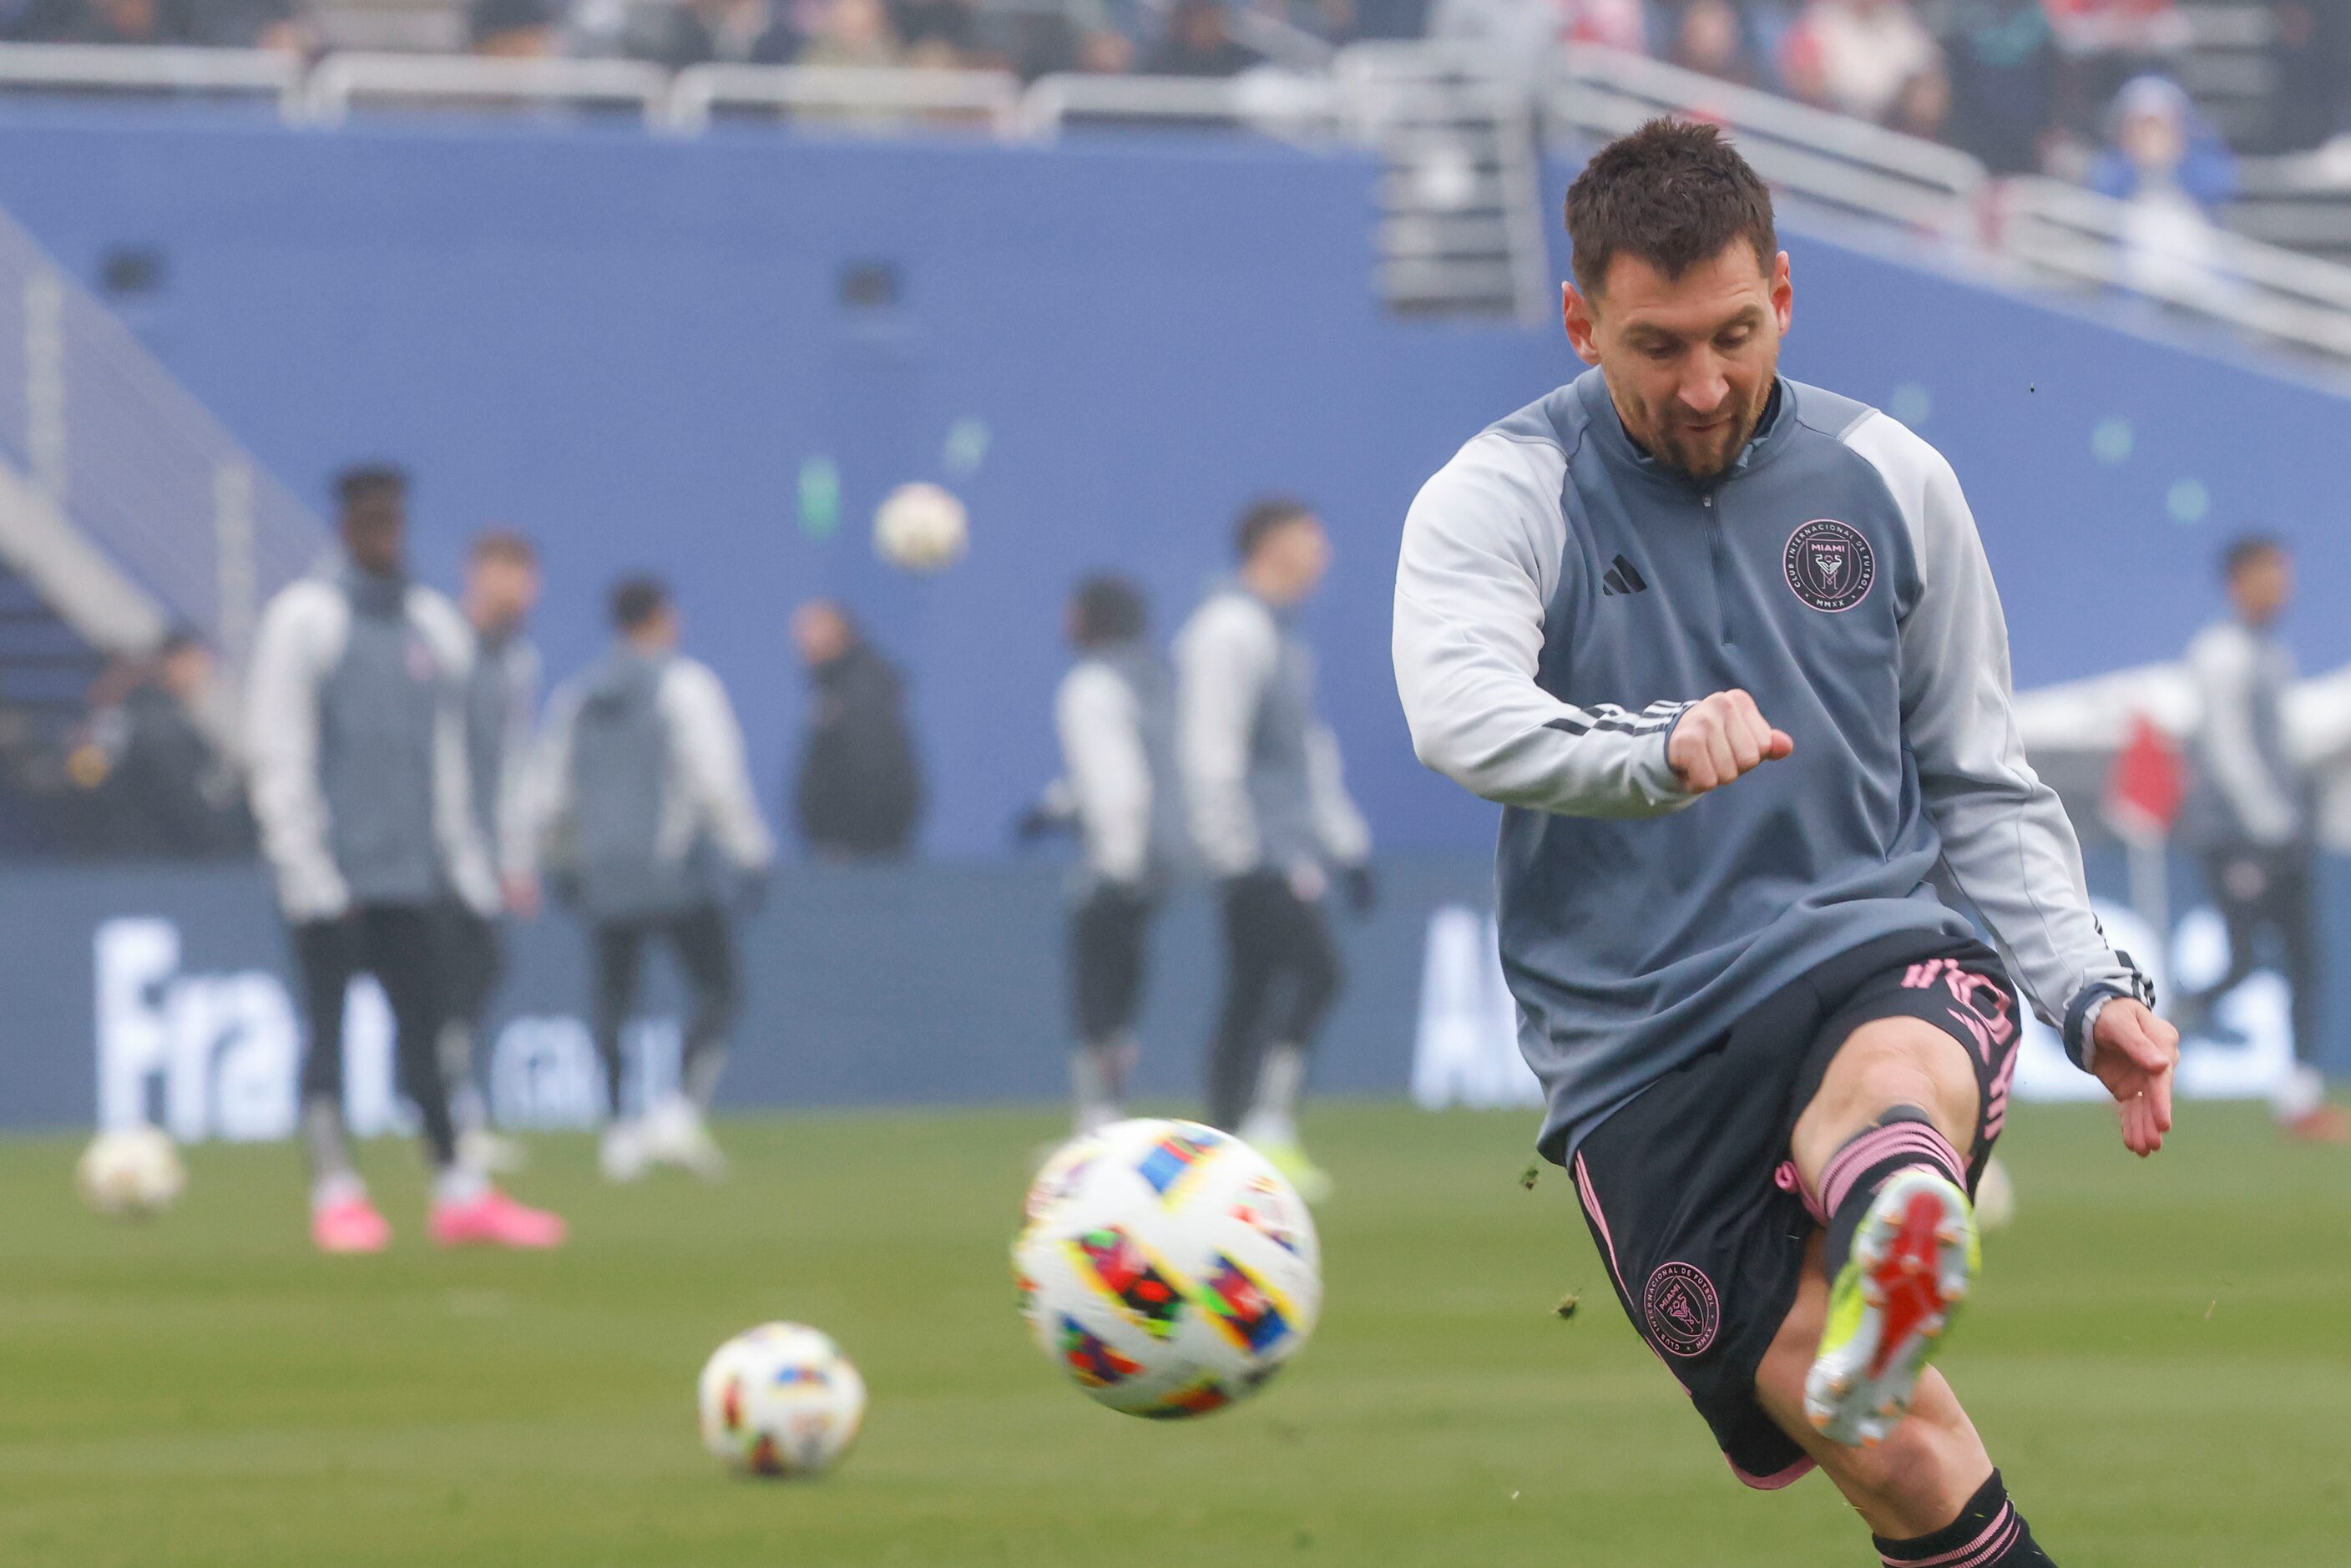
[
  {"x": 1995, "y": 1197},
  {"x": 780, "y": 1400},
  {"x": 1167, "y": 1267},
  {"x": 131, "y": 1172},
  {"x": 920, "y": 528}
]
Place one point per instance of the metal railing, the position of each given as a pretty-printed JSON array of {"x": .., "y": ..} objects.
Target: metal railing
[
  {"x": 340, "y": 80},
  {"x": 699, "y": 93},
  {"x": 2189, "y": 267},
  {"x": 137, "y": 504},
  {"x": 1276, "y": 104},
  {"x": 1439, "y": 113},
  {"x": 1831, "y": 160},
  {"x": 175, "y": 72}
]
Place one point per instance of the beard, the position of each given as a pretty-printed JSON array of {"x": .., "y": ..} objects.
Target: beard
[
  {"x": 1704, "y": 453},
  {"x": 1664, "y": 432}
]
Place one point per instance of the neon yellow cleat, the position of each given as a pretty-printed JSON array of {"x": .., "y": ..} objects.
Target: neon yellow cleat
[{"x": 1914, "y": 1259}]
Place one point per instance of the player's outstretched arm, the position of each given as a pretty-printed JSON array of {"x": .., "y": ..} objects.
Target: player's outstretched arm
[
  {"x": 1477, "y": 578},
  {"x": 1721, "y": 737},
  {"x": 2133, "y": 1052}
]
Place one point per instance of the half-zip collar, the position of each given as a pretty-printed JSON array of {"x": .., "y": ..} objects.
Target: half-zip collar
[{"x": 1607, "y": 431}]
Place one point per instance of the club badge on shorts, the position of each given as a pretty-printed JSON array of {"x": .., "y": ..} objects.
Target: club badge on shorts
[
  {"x": 1683, "y": 1312},
  {"x": 1830, "y": 564}
]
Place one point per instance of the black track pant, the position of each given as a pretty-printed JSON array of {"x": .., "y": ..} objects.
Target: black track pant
[
  {"x": 2267, "y": 890},
  {"x": 1280, "y": 975},
  {"x": 401, "y": 945},
  {"x": 705, "y": 948},
  {"x": 1108, "y": 936}
]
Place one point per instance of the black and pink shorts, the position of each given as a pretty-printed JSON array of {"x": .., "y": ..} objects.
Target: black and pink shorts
[{"x": 1692, "y": 1200}]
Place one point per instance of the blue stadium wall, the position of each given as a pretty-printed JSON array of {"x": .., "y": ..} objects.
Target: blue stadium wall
[
  {"x": 631, "y": 346},
  {"x": 636, "y": 347}
]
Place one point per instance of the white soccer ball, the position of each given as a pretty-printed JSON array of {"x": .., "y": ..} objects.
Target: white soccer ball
[
  {"x": 921, "y": 527},
  {"x": 780, "y": 1400},
  {"x": 1167, "y": 1267},
  {"x": 131, "y": 1172}
]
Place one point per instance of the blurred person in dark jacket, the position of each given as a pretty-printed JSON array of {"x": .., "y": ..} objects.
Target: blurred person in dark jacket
[
  {"x": 171, "y": 789},
  {"x": 859, "y": 790}
]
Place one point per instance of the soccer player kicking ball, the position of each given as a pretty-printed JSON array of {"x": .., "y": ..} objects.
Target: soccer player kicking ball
[{"x": 1775, "y": 1057}]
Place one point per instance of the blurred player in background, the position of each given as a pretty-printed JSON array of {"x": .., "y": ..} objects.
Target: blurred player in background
[
  {"x": 1272, "y": 819},
  {"x": 360, "y": 787},
  {"x": 1116, "y": 716},
  {"x": 2249, "y": 816},
  {"x": 649, "y": 824},
  {"x": 1776, "y": 1059},
  {"x": 501, "y": 701}
]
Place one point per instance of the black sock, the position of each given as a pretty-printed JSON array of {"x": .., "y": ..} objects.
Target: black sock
[
  {"x": 1901, "y": 1138},
  {"x": 1989, "y": 1533}
]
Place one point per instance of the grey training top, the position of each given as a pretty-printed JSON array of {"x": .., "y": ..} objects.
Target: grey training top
[
  {"x": 640, "y": 794},
  {"x": 356, "y": 721},
  {"x": 501, "y": 696},
  {"x": 1262, "y": 783},
  {"x": 2247, "y": 791},
  {"x": 1115, "y": 716},
  {"x": 1561, "y": 598}
]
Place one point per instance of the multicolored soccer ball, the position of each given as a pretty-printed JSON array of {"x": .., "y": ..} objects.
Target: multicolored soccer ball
[
  {"x": 131, "y": 1172},
  {"x": 920, "y": 528},
  {"x": 1167, "y": 1267},
  {"x": 780, "y": 1400}
]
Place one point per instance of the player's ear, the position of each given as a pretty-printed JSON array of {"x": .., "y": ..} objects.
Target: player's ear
[
  {"x": 1575, "y": 310},
  {"x": 1783, "y": 292}
]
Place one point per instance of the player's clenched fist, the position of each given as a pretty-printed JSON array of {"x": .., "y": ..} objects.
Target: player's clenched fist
[{"x": 1721, "y": 737}]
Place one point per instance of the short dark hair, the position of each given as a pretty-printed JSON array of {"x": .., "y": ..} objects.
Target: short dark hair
[
  {"x": 361, "y": 480},
  {"x": 635, "y": 600},
  {"x": 1674, "y": 194},
  {"x": 1261, "y": 516},
  {"x": 2245, "y": 549},
  {"x": 503, "y": 544},
  {"x": 1109, "y": 609}
]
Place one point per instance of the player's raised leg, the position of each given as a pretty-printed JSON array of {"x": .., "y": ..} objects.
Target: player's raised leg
[
  {"x": 1882, "y": 1151},
  {"x": 1928, "y": 1491}
]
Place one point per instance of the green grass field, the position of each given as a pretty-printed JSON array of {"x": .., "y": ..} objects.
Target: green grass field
[{"x": 2160, "y": 1359}]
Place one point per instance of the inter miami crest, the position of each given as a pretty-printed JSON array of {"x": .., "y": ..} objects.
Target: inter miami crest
[
  {"x": 1830, "y": 564},
  {"x": 1683, "y": 1311}
]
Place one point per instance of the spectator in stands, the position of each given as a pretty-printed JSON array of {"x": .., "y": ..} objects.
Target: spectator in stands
[
  {"x": 852, "y": 33},
  {"x": 1199, "y": 43},
  {"x": 2310, "y": 52},
  {"x": 513, "y": 30},
  {"x": 2002, "y": 60},
  {"x": 1711, "y": 39},
  {"x": 1528, "y": 30},
  {"x": 1923, "y": 107},
  {"x": 149, "y": 22},
  {"x": 1052, "y": 43},
  {"x": 173, "y": 789},
  {"x": 2102, "y": 44},
  {"x": 700, "y": 32},
  {"x": 935, "y": 32},
  {"x": 859, "y": 790},
  {"x": 1856, "y": 56},
  {"x": 2166, "y": 160}
]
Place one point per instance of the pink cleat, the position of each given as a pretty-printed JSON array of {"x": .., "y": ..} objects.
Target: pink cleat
[
  {"x": 352, "y": 1225},
  {"x": 496, "y": 1220}
]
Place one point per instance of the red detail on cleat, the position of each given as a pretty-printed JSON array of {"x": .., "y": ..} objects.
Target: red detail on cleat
[{"x": 1907, "y": 1280}]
